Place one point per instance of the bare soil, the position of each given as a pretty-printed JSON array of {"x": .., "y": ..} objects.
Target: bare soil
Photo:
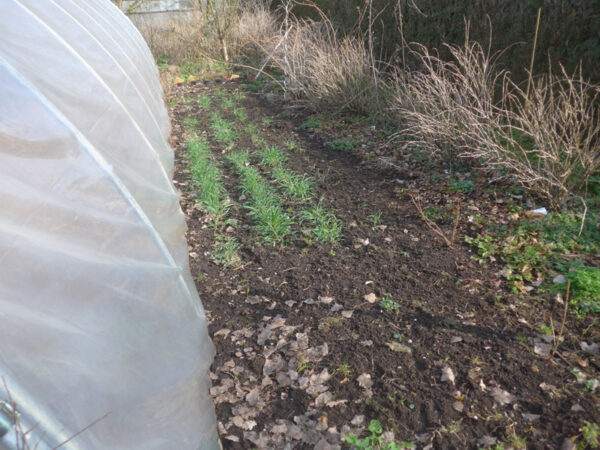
[{"x": 302, "y": 355}]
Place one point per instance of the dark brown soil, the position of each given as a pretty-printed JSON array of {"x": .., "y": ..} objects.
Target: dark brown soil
[{"x": 455, "y": 316}]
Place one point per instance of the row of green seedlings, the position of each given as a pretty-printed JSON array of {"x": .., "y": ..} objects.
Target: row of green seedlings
[
  {"x": 271, "y": 220},
  {"x": 324, "y": 225},
  {"x": 213, "y": 199}
]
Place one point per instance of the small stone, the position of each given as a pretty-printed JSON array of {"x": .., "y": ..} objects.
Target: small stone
[
  {"x": 371, "y": 298},
  {"x": 357, "y": 420},
  {"x": 577, "y": 408},
  {"x": 559, "y": 279},
  {"x": 590, "y": 348},
  {"x": 458, "y": 406},
  {"x": 456, "y": 339},
  {"x": 542, "y": 349}
]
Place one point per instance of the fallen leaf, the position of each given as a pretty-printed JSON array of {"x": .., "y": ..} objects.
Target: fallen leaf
[
  {"x": 325, "y": 300},
  {"x": 398, "y": 347},
  {"x": 371, "y": 298},
  {"x": 357, "y": 420},
  {"x": 456, "y": 339},
  {"x": 501, "y": 396},
  {"x": 458, "y": 406},
  {"x": 448, "y": 375},
  {"x": 486, "y": 441},
  {"x": 323, "y": 399},
  {"x": 222, "y": 332},
  {"x": 347, "y": 314},
  {"x": 364, "y": 381}
]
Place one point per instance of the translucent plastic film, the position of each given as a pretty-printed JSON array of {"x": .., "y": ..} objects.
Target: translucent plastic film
[{"x": 103, "y": 339}]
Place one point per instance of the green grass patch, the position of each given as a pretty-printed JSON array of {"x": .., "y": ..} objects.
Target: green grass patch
[
  {"x": 227, "y": 103},
  {"x": 342, "y": 145},
  {"x": 212, "y": 195},
  {"x": 240, "y": 114},
  {"x": 325, "y": 226},
  {"x": 312, "y": 122},
  {"x": 224, "y": 131},
  {"x": 271, "y": 221},
  {"x": 220, "y": 94},
  {"x": 533, "y": 249},
  {"x": 299, "y": 187},
  {"x": 225, "y": 252},
  {"x": 190, "y": 123},
  {"x": 204, "y": 101},
  {"x": 251, "y": 129},
  {"x": 271, "y": 156},
  {"x": 584, "y": 294}
]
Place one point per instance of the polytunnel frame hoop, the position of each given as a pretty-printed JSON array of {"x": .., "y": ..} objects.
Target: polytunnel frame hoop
[
  {"x": 154, "y": 119},
  {"x": 102, "y": 82}
]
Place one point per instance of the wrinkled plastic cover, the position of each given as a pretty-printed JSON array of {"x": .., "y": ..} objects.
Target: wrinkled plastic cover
[{"x": 102, "y": 332}]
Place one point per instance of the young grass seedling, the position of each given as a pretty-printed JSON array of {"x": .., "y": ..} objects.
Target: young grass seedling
[
  {"x": 223, "y": 129},
  {"x": 300, "y": 187},
  {"x": 271, "y": 156},
  {"x": 225, "y": 252},
  {"x": 265, "y": 206},
  {"x": 212, "y": 196},
  {"x": 227, "y": 103},
  {"x": 325, "y": 226},
  {"x": 204, "y": 101},
  {"x": 240, "y": 114}
]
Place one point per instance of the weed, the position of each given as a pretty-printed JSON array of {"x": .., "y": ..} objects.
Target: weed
[
  {"x": 251, "y": 129},
  {"x": 270, "y": 220},
  {"x": 225, "y": 252},
  {"x": 517, "y": 442},
  {"x": 256, "y": 85},
  {"x": 223, "y": 129},
  {"x": 293, "y": 146},
  {"x": 238, "y": 96},
  {"x": 190, "y": 123},
  {"x": 286, "y": 114},
  {"x": 388, "y": 304},
  {"x": 300, "y": 187},
  {"x": 590, "y": 435},
  {"x": 374, "y": 440},
  {"x": 312, "y": 122},
  {"x": 172, "y": 103},
  {"x": 585, "y": 289},
  {"x": 530, "y": 249},
  {"x": 227, "y": 103},
  {"x": 204, "y": 101},
  {"x": 375, "y": 218},
  {"x": 326, "y": 227},
  {"x": 212, "y": 196},
  {"x": 302, "y": 366},
  {"x": 220, "y": 94},
  {"x": 240, "y": 114},
  {"x": 545, "y": 329},
  {"x": 466, "y": 187},
  {"x": 343, "y": 370},
  {"x": 258, "y": 140},
  {"x": 266, "y": 121},
  {"x": 271, "y": 156},
  {"x": 342, "y": 145}
]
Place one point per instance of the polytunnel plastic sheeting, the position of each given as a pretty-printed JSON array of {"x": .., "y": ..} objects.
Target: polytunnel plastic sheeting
[{"x": 103, "y": 337}]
